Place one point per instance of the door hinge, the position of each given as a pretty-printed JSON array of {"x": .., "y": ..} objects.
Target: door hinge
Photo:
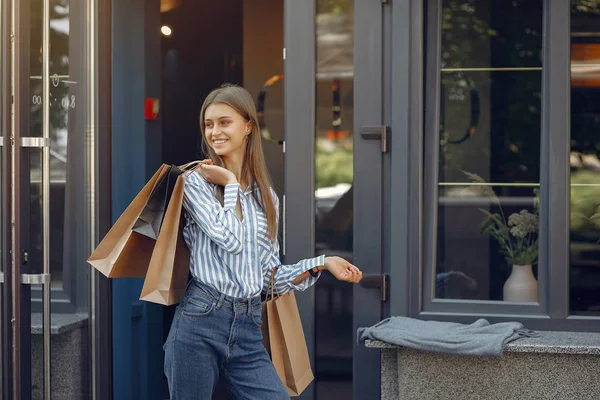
[
  {"x": 284, "y": 53},
  {"x": 376, "y": 281},
  {"x": 380, "y": 132}
]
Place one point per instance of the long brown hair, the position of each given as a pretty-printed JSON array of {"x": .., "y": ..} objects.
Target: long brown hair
[{"x": 254, "y": 169}]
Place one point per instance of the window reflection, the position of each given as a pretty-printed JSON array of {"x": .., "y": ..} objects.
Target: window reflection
[
  {"x": 584, "y": 159},
  {"x": 490, "y": 124},
  {"x": 333, "y": 196},
  {"x": 63, "y": 101}
]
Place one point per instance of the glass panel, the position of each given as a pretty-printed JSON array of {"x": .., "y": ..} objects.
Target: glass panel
[
  {"x": 69, "y": 200},
  {"x": 489, "y": 148},
  {"x": 31, "y": 218},
  {"x": 584, "y": 159},
  {"x": 333, "y": 196}
]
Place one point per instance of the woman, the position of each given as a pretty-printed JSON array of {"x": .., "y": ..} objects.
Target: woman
[{"x": 231, "y": 229}]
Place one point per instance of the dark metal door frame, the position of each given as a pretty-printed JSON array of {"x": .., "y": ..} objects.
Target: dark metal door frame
[
  {"x": 299, "y": 155},
  {"x": 5, "y": 210},
  {"x": 369, "y": 166},
  {"x": 16, "y": 194},
  {"x": 371, "y": 64}
]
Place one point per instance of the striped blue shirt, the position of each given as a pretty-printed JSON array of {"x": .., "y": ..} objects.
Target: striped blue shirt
[{"x": 235, "y": 257}]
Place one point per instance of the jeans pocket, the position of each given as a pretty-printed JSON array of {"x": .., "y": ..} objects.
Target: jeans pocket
[
  {"x": 197, "y": 307},
  {"x": 256, "y": 316}
]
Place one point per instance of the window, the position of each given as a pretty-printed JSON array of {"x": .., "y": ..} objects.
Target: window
[
  {"x": 584, "y": 158},
  {"x": 490, "y": 132},
  {"x": 506, "y": 135},
  {"x": 487, "y": 152}
]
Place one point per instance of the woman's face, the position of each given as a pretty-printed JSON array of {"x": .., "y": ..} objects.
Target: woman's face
[{"x": 226, "y": 130}]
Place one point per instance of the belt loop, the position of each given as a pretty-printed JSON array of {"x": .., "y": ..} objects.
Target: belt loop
[
  {"x": 220, "y": 301},
  {"x": 249, "y": 305}
]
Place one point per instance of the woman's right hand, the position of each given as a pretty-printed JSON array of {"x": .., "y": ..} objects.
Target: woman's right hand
[{"x": 342, "y": 270}]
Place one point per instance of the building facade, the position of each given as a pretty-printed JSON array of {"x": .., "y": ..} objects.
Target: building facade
[{"x": 392, "y": 130}]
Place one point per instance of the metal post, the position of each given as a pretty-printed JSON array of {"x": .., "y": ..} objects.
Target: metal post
[
  {"x": 46, "y": 192},
  {"x": 91, "y": 148},
  {"x": 3, "y": 113},
  {"x": 14, "y": 196}
]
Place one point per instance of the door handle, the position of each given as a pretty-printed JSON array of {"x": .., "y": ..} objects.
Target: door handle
[
  {"x": 376, "y": 281},
  {"x": 35, "y": 279},
  {"x": 380, "y": 132}
]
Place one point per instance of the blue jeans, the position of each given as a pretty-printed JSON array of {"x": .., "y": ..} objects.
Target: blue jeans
[{"x": 217, "y": 336}]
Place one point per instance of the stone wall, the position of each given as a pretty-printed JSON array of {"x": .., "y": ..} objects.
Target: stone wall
[
  {"x": 558, "y": 366},
  {"x": 69, "y": 357}
]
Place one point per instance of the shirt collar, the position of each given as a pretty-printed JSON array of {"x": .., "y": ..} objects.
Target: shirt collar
[{"x": 252, "y": 187}]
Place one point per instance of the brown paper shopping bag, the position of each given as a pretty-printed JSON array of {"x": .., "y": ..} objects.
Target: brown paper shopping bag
[
  {"x": 150, "y": 220},
  {"x": 124, "y": 253},
  {"x": 167, "y": 275},
  {"x": 286, "y": 343}
]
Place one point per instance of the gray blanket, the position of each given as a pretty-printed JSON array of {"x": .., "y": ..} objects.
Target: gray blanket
[{"x": 477, "y": 339}]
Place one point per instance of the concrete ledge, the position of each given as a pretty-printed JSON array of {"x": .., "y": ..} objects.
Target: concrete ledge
[
  {"x": 547, "y": 342},
  {"x": 556, "y": 365},
  {"x": 59, "y": 323}
]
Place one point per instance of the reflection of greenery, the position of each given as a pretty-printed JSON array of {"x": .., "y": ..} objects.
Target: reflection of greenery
[
  {"x": 334, "y": 6},
  {"x": 586, "y": 6},
  {"x": 59, "y": 64},
  {"x": 585, "y": 200},
  {"x": 462, "y": 31},
  {"x": 474, "y": 36},
  {"x": 333, "y": 161},
  {"x": 585, "y": 204}
]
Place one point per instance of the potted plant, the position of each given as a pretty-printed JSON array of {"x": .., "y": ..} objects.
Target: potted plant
[{"x": 517, "y": 236}]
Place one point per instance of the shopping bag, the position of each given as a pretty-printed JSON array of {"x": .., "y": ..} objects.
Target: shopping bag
[
  {"x": 167, "y": 275},
  {"x": 123, "y": 253},
  {"x": 264, "y": 315},
  {"x": 151, "y": 217},
  {"x": 285, "y": 341}
]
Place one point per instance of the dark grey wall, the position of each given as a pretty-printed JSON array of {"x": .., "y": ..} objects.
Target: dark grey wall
[
  {"x": 204, "y": 51},
  {"x": 136, "y": 153}
]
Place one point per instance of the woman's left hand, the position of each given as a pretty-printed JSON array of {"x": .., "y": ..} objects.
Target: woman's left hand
[
  {"x": 343, "y": 270},
  {"x": 215, "y": 174}
]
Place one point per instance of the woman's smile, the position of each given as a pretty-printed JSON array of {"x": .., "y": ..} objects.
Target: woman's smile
[{"x": 219, "y": 142}]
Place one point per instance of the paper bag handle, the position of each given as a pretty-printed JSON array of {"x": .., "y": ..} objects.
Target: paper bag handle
[
  {"x": 187, "y": 165},
  {"x": 272, "y": 288}
]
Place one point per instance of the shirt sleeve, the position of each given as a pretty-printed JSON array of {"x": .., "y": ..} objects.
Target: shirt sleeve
[
  {"x": 219, "y": 222},
  {"x": 287, "y": 273}
]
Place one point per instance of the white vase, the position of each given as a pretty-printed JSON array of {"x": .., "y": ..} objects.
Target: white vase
[{"x": 521, "y": 285}]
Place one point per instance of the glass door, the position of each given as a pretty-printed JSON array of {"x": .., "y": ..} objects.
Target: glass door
[
  {"x": 25, "y": 193},
  {"x": 333, "y": 203},
  {"x": 48, "y": 175},
  {"x": 334, "y": 194}
]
